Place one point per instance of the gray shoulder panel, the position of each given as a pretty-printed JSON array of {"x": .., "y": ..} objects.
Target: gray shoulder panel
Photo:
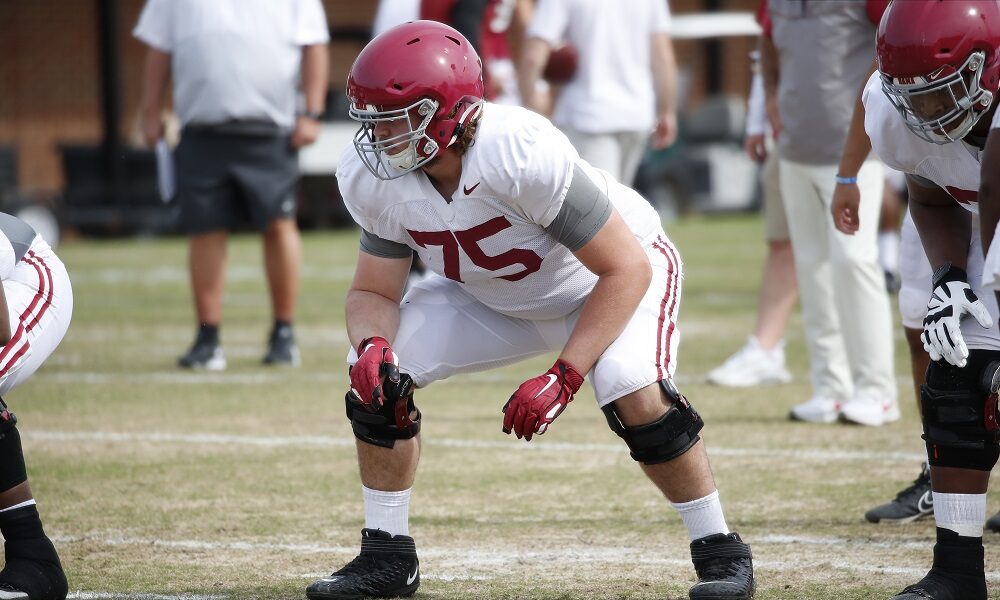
[
  {"x": 19, "y": 233},
  {"x": 376, "y": 246},
  {"x": 584, "y": 211}
]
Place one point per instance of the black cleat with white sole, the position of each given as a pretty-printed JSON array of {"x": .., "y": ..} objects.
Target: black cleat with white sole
[
  {"x": 724, "y": 566},
  {"x": 386, "y": 568}
]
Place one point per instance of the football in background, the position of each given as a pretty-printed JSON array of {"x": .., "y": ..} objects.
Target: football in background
[{"x": 562, "y": 64}]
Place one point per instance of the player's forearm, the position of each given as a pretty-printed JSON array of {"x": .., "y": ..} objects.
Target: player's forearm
[
  {"x": 370, "y": 314},
  {"x": 945, "y": 232},
  {"x": 534, "y": 54},
  {"x": 858, "y": 146},
  {"x": 156, "y": 73},
  {"x": 664, "y": 67},
  {"x": 769, "y": 66},
  {"x": 607, "y": 310},
  {"x": 315, "y": 76},
  {"x": 989, "y": 190}
]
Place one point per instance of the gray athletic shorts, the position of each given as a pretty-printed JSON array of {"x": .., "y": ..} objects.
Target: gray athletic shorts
[{"x": 225, "y": 180}]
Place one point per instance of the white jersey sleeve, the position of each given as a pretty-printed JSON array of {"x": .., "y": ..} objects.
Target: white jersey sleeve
[
  {"x": 155, "y": 26},
  {"x": 996, "y": 120}
]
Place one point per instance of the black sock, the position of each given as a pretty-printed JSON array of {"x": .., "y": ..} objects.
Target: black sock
[
  {"x": 21, "y": 524},
  {"x": 208, "y": 333}
]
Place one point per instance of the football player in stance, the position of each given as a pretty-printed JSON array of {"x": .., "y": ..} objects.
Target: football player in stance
[
  {"x": 36, "y": 303},
  {"x": 533, "y": 251},
  {"x": 927, "y": 112}
]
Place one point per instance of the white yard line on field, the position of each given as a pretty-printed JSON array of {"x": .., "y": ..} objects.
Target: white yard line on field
[
  {"x": 512, "y": 445},
  {"x": 458, "y": 564},
  {"x": 138, "y": 596}
]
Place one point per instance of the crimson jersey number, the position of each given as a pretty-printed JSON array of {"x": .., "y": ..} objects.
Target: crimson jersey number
[{"x": 468, "y": 240}]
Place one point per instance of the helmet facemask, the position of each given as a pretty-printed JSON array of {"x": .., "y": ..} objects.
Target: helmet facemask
[
  {"x": 943, "y": 106},
  {"x": 395, "y": 156}
]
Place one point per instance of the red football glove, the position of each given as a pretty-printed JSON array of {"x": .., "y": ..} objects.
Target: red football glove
[
  {"x": 540, "y": 400},
  {"x": 375, "y": 360}
]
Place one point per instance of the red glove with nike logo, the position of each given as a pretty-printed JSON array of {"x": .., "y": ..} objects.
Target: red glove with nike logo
[
  {"x": 375, "y": 360},
  {"x": 540, "y": 400}
]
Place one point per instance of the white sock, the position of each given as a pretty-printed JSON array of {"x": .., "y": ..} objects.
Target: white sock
[
  {"x": 888, "y": 251},
  {"x": 16, "y": 506},
  {"x": 964, "y": 514},
  {"x": 702, "y": 516},
  {"x": 388, "y": 511}
]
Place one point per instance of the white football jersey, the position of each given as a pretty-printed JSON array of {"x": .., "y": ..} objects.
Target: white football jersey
[
  {"x": 954, "y": 167},
  {"x": 490, "y": 235}
]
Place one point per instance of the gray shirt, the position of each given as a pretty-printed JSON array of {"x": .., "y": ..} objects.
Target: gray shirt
[{"x": 825, "y": 48}]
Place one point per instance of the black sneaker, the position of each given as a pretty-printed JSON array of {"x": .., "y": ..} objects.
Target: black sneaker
[
  {"x": 281, "y": 348},
  {"x": 912, "y": 503},
  {"x": 993, "y": 523},
  {"x": 724, "y": 566},
  {"x": 386, "y": 568},
  {"x": 204, "y": 354},
  {"x": 27, "y": 577}
]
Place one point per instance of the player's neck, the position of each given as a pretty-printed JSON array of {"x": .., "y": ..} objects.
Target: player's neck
[{"x": 445, "y": 173}]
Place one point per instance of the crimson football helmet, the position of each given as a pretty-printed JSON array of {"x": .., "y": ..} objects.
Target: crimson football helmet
[
  {"x": 940, "y": 63},
  {"x": 414, "y": 89}
]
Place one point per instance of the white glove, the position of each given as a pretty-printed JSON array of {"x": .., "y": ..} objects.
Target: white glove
[{"x": 952, "y": 299}]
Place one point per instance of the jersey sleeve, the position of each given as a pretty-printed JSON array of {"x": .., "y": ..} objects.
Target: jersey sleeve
[
  {"x": 533, "y": 169},
  {"x": 310, "y": 24},
  {"x": 996, "y": 120},
  {"x": 549, "y": 21},
  {"x": 155, "y": 26}
]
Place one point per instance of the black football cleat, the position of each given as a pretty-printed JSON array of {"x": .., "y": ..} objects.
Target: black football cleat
[
  {"x": 724, "y": 566},
  {"x": 993, "y": 523},
  {"x": 281, "y": 348},
  {"x": 29, "y": 576},
  {"x": 386, "y": 568},
  {"x": 204, "y": 354},
  {"x": 913, "y": 502}
]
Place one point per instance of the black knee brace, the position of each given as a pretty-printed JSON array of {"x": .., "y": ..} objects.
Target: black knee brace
[
  {"x": 12, "y": 470},
  {"x": 959, "y": 410},
  {"x": 391, "y": 422},
  {"x": 664, "y": 439}
]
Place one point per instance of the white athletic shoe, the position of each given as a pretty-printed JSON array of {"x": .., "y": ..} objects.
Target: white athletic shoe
[
  {"x": 752, "y": 365},
  {"x": 817, "y": 409},
  {"x": 867, "y": 408}
]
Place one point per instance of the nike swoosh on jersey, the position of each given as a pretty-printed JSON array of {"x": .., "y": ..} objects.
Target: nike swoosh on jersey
[{"x": 469, "y": 190}]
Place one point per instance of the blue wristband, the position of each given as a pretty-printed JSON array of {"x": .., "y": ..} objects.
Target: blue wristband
[{"x": 846, "y": 180}]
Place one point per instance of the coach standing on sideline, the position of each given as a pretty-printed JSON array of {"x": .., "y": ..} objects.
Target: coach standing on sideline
[
  {"x": 236, "y": 68},
  {"x": 825, "y": 51}
]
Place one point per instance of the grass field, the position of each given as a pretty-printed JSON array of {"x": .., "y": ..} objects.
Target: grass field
[{"x": 161, "y": 484}]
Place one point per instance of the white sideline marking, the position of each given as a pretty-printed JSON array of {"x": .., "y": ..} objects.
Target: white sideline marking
[
  {"x": 330, "y": 441},
  {"x": 138, "y": 596},
  {"x": 467, "y": 560}
]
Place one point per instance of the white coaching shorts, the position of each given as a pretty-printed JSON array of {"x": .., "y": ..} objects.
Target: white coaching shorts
[
  {"x": 40, "y": 305},
  {"x": 444, "y": 331}
]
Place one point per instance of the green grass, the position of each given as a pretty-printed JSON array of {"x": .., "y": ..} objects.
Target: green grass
[{"x": 244, "y": 484}]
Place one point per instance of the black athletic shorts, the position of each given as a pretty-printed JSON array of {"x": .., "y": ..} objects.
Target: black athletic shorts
[{"x": 226, "y": 179}]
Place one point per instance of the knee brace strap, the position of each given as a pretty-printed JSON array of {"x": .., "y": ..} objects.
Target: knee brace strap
[
  {"x": 391, "y": 422},
  {"x": 960, "y": 427},
  {"x": 12, "y": 470},
  {"x": 664, "y": 439}
]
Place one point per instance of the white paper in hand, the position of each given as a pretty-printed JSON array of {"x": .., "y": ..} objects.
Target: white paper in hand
[{"x": 165, "y": 171}]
